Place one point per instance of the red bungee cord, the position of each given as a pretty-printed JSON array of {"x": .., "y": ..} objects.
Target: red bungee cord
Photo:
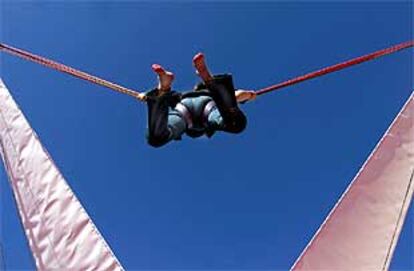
[
  {"x": 141, "y": 96},
  {"x": 69, "y": 70},
  {"x": 337, "y": 67}
]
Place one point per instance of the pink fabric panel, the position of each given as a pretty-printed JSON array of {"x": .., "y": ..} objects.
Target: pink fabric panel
[
  {"x": 362, "y": 230},
  {"x": 60, "y": 233}
]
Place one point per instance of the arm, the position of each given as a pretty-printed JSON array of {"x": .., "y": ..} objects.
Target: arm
[{"x": 245, "y": 95}]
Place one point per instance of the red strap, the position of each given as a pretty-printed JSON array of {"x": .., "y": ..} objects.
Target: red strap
[
  {"x": 337, "y": 67},
  {"x": 63, "y": 68},
  {"x": 66, "y": 69}
]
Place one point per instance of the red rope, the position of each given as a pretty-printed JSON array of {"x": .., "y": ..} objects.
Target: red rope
[
  {"x": 66, "y": 69},
  {"x": 337, "y": 67}
]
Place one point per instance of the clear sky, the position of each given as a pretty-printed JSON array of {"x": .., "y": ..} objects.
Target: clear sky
[{"x": 251, "y": 201}]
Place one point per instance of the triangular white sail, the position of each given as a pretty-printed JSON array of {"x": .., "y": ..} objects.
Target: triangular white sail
[
  {"x": 60, "y": 233},
  {"x": 362, "y": 230}
]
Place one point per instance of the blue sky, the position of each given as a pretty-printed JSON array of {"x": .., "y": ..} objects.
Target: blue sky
[{"x": 251, "y": 201}]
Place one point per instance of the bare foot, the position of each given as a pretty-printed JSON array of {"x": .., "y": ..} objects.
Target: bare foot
[
  {"x": 201, "y": 67},
  {"x": 165, "y": 78}
]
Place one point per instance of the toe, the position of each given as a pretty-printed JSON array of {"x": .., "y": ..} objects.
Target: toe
[
  {"x": 157, "y": 68},
  {"x": 198, "y": 58}
]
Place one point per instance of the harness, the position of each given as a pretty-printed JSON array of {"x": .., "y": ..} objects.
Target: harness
[{"x": 185, "y": 114}]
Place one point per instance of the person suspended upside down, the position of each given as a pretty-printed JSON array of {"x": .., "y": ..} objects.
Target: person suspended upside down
[{"x": 212, "y": 106}]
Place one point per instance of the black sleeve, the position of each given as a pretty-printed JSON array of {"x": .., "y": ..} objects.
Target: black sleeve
[{"x": 172, "y": 97}]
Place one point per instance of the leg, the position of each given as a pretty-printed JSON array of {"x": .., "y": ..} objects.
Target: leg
[
  {"x": 223, "y": 92},
  {"x": 159, "y": 101},
  {"x": 157, "y": 133},
  {"x": 201, "y": 67},
  {"x": 164, "y": 124}
]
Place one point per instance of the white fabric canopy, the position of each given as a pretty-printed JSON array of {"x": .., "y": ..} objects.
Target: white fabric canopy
[
  {"x": 60, "y": 233},
  {"x": 360, "y": 233},
  {"x": 362, "y": 230}
]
